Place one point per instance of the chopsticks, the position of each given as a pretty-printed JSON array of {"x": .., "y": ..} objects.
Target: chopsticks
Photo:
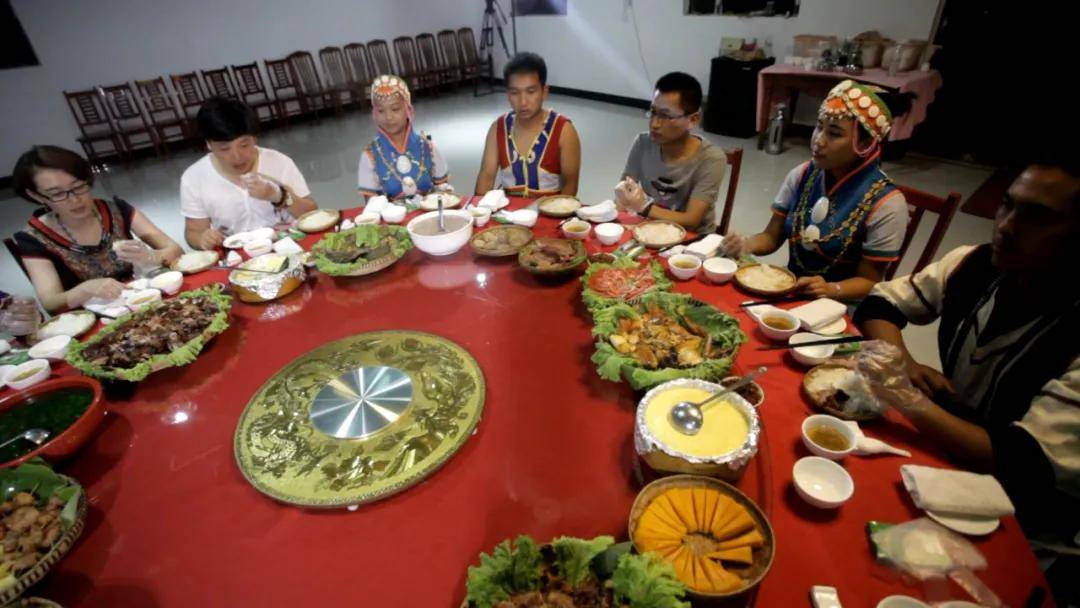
[
  {"x": 774, "y": 301},
  {"x": 844, "y": 340}
]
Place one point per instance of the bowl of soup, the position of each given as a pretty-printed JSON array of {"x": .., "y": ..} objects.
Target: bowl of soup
[
  {"x": 684, "y": 266},
  {"x": 828, "y": 436},
  {"x": 426, "y": 235},
  {"x": 778, "y": 324},
  {"x": 70, "y": 408}
]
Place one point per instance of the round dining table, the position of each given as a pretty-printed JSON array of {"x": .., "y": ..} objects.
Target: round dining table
[{"x": 173, "y": 523}]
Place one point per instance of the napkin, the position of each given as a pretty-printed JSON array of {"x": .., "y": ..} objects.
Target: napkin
[
  {"x": 494, "y": 199},
  {"x": 868, "y": 445},
  {"x": 287, "y": 246},
  {"x": 706, "y": 247},
  {"x": 819, "y": 313},
  {"x": 955, "y": 492},
  {"x": 376, "y": 204},
  {"x": 603, "y": 211}
]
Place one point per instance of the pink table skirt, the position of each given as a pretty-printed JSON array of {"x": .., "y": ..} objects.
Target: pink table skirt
[{"x": 777, "y": 82}]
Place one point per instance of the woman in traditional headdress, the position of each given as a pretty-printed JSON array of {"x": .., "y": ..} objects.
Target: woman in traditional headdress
[{"x": 841, "y": 216}]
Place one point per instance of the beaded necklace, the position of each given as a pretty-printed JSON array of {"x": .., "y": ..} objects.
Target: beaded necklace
[{"x": 848, "y": 226}]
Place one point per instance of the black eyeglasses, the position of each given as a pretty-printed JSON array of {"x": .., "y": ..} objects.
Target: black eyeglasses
[
  {"x": 63, "y": 195},
  {"x": 651, "y": 113}
]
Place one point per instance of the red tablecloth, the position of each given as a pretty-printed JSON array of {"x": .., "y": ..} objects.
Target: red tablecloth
[
  {"x": 173, "y": 523},
  {"x": 778, "y": 82}
]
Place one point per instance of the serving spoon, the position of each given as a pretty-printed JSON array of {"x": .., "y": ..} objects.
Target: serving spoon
[
  {"x": 34, "y": 436},
  {"x": 687, "y": 417}
]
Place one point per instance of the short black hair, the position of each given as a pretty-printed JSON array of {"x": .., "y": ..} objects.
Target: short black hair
[
  {"x": 526, "y": 63},
  {"x": 688, "y": 88},
  {"x": 224, "y": 119},
  {"x": 47, "y": 157}
]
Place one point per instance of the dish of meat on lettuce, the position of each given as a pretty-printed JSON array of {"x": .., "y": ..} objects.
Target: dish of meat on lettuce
[{"x": 168, "y": 334}]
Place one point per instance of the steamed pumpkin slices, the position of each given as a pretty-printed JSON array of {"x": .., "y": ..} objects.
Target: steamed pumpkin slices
[{"x": 699, "y": 531}]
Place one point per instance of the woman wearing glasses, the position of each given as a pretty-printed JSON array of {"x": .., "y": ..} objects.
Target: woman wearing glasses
[
  {"x": 841, "y": 216},
  {"x": 672, "y": 174},
  {"x": 77, "y": 247}
]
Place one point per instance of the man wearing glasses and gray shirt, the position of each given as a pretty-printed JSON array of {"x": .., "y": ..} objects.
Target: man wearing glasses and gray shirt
[{"x": 672, "y": 174}]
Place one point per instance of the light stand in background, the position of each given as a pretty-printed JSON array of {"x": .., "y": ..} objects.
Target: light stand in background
[{"x": 494, "y": 19}]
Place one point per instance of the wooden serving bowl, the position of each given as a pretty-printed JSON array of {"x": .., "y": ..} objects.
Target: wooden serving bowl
[{"x": 763, "y": 556}]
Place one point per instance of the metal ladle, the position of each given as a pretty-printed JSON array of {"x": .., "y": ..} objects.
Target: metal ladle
[
  {"x": 442, "y": 226},
  {"x": 35, "y": 436},
  {"x": 687, "y": 417}
]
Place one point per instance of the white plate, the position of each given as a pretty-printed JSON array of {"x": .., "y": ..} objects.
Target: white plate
[
  {"x": 235, "y": 241},
  {"x": 832, "y": 329},
  {"x": 972, "y": 526},
  {"x": 431, "y": 201},
  {"x": 959, "y": 604},
  {"x": 901, "y": 601}
]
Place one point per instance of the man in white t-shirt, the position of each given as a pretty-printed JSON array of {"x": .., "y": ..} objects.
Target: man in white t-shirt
[{"x": 238, "y": 186}]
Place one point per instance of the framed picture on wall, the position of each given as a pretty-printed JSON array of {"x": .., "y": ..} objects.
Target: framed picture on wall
[{"x": 525, "y": 8}]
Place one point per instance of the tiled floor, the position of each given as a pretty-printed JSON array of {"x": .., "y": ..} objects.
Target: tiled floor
[{"x": 327, "y": 154}]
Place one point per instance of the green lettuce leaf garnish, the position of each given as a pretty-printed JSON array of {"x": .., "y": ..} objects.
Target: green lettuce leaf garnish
[
  {"x": 508, "y": 570},
  {"x": 365, "y": 236},
  {"x": 181, "y": 356},
  {"x": 646, "y": 581},
  {"x": 37, "y": 477},
  {"x": 612, "y": 365},
  {"x": 573, "y": 556}
]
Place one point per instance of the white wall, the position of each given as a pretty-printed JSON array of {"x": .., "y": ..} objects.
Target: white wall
[
  {"x": 83, "y": 43},
  {"x": 594, "y": 46}
]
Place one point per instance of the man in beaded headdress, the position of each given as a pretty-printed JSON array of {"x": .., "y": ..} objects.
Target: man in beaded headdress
[
  {"x": 841, "y": 216},
  {"x": 399, "y": 162}
]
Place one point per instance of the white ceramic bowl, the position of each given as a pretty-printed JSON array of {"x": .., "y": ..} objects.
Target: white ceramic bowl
[
  {"x": 680, "y": 273},
  {"x": 369, "y": 217},
  {"x": 143, "y": 297},
  {"x": 818, "y": 420},
  {"x": 774, "y": 333},
  {"x": 258, "y": 247},
  {"x": 168, "y": 282},
  {"x": 822, "y": 482},
  {"x": 576, "y": 229},
  {"x": 720, "y": 270},
  {"x": 609, "y": 233},
  {"x": 265, "y": 232},
  {"x": 5, "y": 346},
  {"x": 445, "y": 243},
  {"x": 4, "y": 371},
  {"x": 36, "y": 370},
  {"x": 811, "y": 355},
  {"x": 54, "y": 348},
  {"x": 480, "y": 215},
  {"x": 393, "y": 214}
]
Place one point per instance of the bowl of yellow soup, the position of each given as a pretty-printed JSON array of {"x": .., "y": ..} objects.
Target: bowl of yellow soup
[{"x": 728, "y": 438}]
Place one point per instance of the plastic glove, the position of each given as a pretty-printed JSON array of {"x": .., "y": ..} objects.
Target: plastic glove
[
  {"x": 885, "y": 370},
  {"x": 260, "y": 187},
  {"x": 630, "y": 195},
  {"x": 735, "y": 245},
  {"x": 135, "y": 252}
]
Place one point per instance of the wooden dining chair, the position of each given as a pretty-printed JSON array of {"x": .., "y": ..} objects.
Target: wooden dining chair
[
  {"x": 127, "y": 116},
  {"x": 219, "y": 83},
  {"x": 427, "y": 50},
  {"x": 309, "y": 85},
  {"x": 165, "y": 117},
  {"x": 734, "y": 167},
  {"x": 339, "y": 78},
  {"x": 448, "y": 44},
  {"x": 356, "y": 54},
  {"x": 190, "y": 95},
  {"x": 252, "y": 90},
  {"x": 474, "y": 66},
  {"x": 380, "y": 58},
  {"x": 919, "y": 203},
  {"x": 409, "y": 67},
  {"x": 286, "y": 93},
  {"x": 94, "y": 125}
]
